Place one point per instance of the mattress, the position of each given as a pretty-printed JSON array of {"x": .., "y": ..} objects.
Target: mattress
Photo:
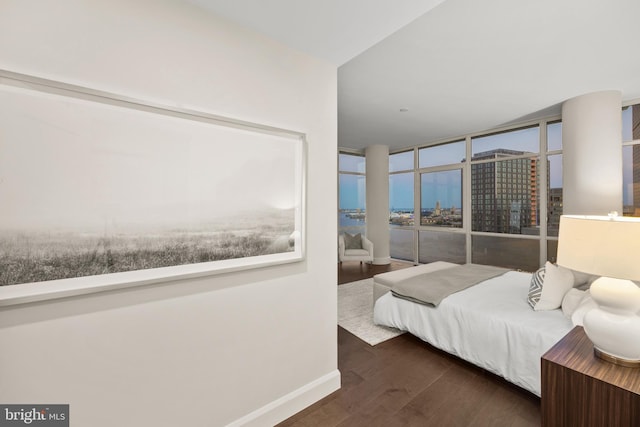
[{"x": 490, "y": 325}]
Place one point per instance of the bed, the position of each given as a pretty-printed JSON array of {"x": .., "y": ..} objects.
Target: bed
[{"x": 489, "y": 324}]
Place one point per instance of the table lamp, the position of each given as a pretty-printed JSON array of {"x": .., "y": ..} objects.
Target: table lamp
[{"x": 607, "y": 246}]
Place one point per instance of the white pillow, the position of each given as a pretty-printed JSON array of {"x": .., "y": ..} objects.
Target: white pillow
[
  {"x": 582, "y": 280},
  {"x": 586, "y": 303},
  {"x": 535, "y": 287},
  {"x": 571, "y": 301},
  {"x": 557, "y": 282}
]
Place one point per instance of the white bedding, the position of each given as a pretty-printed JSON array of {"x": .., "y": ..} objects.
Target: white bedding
[{"x": 490, "y": 325}]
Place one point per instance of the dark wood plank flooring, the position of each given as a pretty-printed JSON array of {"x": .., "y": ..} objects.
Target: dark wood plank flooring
[
  {"x": 352, "y": 270},
  {"x": 406, "y": 382}
]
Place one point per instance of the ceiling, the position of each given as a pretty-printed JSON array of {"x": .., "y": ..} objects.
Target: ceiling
[{"x": 457, "y": 66}]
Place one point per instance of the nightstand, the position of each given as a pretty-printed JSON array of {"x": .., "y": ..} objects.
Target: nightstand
[{"x": 579, "y": 389}]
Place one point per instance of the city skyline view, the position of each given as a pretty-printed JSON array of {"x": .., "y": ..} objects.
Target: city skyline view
[
  {"x": 352, "y": 189},
  {"x": 445, "y": 188},
  {"x": 507, "y": 179}
]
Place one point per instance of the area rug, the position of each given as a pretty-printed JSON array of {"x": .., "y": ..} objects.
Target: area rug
[{"x": 355, "y": 313}]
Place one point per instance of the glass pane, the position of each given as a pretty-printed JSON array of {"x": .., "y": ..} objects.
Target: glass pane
[
  {"x": 351, "y": 163},
  {"x": 631, "y": 180},
  {"x": 510, "y": 143},
  {"x": 442, "y": 246},
  {"x": 554, "y": 136},
  {"x": 631, "y": 123},
  {"x": 401, "y": 244},
  {"x": 401, "y": 199},
  {"x": 445, "y": 154},
  {"x": 504, "y": 196},
  {"x": 554, "y": 194},
  {"x": 506, "y": 252},
  {"x": 552, "y": 250},
  {"x": 352, "y": 203},
  {"x": 401, "y": 161},
  {"x": 441, "y": 198},
  {"x": 352, "y": 192}
]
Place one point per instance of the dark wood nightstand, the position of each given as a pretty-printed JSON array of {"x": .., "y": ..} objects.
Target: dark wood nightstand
[{"x": 581, "y": 390}]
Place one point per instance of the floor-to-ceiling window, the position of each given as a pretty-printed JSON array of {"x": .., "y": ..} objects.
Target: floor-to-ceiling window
[
  {"x": 505, "y": 198},
  {"x": 440, "y": 235},
  {"x": 488, "y": 198},
  {"x": 401, "y": 205},
  {"x": 351, "y": 193}
]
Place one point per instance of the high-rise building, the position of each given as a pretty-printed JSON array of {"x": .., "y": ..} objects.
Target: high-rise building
[
  {"x": 504, "y": 193},
  {"x": 554, "y": 207}
]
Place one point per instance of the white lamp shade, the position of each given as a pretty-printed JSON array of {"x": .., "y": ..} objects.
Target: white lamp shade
[{"x": 601, "y": 245}]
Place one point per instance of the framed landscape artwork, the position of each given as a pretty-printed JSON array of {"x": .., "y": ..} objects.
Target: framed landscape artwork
[{"x": 94, "y": 184}]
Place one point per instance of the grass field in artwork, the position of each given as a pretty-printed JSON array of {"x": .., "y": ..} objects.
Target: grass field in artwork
[{"x": 40, "y": 256}]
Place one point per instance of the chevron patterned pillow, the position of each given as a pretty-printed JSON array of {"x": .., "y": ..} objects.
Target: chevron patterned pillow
[{"x": 535, "y": 288}]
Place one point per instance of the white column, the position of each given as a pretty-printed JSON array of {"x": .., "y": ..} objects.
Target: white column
[
  {"x": 377, "y": 204},
  {"x": 592, "y": 154}
]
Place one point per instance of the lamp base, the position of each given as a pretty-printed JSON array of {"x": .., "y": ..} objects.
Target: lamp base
[
  {"x": 614, "y": 325},
  {"x": 616, "y": 360}
]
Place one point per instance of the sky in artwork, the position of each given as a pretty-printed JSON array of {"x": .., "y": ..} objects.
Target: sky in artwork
[{"x": 71, "y": 163}]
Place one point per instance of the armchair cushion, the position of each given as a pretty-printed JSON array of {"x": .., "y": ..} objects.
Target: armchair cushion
[{"x": 352, "y": 242}]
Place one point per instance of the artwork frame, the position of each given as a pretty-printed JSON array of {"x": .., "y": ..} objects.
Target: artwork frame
[{"x": 227, "y": 193}]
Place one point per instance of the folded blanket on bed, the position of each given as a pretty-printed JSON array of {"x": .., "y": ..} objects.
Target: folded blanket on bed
[{"x": 433, "y": 287}]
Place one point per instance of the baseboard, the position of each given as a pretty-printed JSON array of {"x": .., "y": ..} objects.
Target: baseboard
[{"x": 291, "y": 403}]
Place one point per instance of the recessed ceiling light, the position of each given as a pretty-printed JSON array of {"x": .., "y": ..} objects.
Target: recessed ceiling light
[{"x": 404, "y": 110}]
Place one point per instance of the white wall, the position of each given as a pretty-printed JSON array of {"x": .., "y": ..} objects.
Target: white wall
[{"x": 186, "y": 353}]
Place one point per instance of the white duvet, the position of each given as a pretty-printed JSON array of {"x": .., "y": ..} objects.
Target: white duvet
[{"x": 490, "y": 325}]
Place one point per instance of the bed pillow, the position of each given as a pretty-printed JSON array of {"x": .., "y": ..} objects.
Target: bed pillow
[
  {"x": 571, "y": 301},
  {"x": 535, "y": 288},
  {"x": 352, "y": 242},
  {"x": 586, "y": 303},
  {"x": 548, "y": 287},
  {"x": 582, "y": 280},
  {"x": 557, "y": 282}
]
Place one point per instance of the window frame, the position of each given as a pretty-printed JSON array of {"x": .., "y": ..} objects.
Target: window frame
[{"x": 630, "y": 143}]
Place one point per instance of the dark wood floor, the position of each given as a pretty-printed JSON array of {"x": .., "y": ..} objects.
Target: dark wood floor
[
  {"x": 406, "y": 382},
  {"x": 353, "y": 270}
]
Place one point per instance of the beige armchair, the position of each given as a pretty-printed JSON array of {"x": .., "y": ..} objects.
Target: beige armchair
[{"x": 350, "y": 249}]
